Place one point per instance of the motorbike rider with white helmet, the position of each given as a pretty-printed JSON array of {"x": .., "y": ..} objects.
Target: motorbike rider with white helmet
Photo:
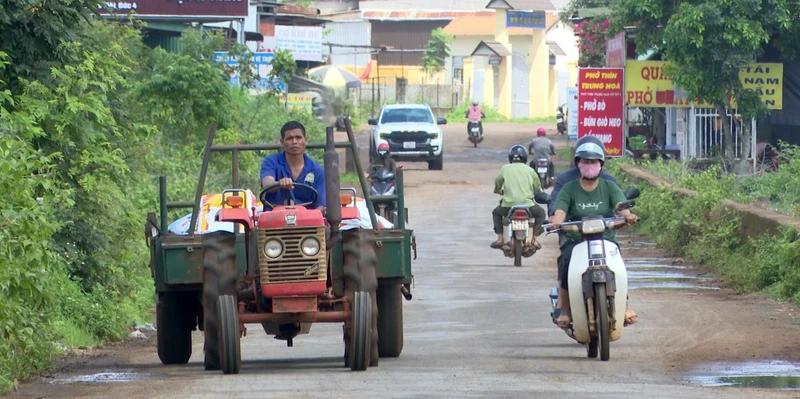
[
  {"x": 588, "y": 196},
  {"x": 517, "y": 183}
]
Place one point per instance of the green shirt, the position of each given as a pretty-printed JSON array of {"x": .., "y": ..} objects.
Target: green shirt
[
  {"x": 519, "y": 183},
  {"x": 578, "y": 203}
]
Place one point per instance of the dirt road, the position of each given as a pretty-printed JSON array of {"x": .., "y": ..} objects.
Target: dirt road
[{"x": 477, "y": 326}]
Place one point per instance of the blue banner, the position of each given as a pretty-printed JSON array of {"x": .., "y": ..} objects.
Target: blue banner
[
  {"x": 525, "y": 19},
  {"x": 261, "y": 62}
]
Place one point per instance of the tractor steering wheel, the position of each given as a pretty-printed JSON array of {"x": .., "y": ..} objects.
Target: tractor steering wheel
[{"x": 263, "y": 195}]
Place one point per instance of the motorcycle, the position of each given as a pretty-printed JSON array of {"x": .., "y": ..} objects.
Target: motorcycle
[
  {"x": 560, "y": 121},
  {"x": 475, "y": 133},
  {"x": 382, "y": 182},
  {"x": 597, "y": 281},
  {"x": 518, "y": 233},
  {"x": 542, "y": 166}
]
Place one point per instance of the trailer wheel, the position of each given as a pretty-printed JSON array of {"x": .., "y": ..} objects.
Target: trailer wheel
[
  {"x": 229, "y": 344},
  {"x": 174, "y": 334},
  {"x": 390, "y": 320},
  {"x": 360, "y": 339},
  {"x": 219, "y": 278}
]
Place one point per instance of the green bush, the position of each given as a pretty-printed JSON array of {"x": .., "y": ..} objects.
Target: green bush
[{"x": 709, "y": 234}]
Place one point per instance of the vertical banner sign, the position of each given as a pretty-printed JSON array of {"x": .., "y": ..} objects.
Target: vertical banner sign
[
  {"x": 572, "y": 113},
  {"x": 600, "y": 107}
]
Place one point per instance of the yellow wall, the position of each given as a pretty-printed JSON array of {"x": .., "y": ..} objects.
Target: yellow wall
[{"x": 553, "y": 91}]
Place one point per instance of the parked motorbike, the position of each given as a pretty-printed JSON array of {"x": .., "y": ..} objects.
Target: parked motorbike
[
  {"x": 518, "y": 233},
  {"x": 382, "y": 182},
  {"x": 597, "y": 281},
  {"x": 542, "y": 166},
  {"x": 475, "y": 133},
  {"x": 561, "y": 124}
]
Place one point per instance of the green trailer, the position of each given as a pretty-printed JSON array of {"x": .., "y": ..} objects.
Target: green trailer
[{"x": 218, "y": 282}]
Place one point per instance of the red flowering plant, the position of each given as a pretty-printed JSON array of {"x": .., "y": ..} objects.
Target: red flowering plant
[{"x": 592, "y": 42}]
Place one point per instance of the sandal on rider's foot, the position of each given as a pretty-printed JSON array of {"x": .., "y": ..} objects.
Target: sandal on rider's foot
[
  {"x": 630, "y": 317},
  {"x": 496, "y": 245},
  {"x": 563, "y": 321},
  {"x": 537, "y": 245}
]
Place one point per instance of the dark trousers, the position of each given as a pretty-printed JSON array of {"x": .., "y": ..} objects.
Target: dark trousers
[{"x": 500, "y": 212}]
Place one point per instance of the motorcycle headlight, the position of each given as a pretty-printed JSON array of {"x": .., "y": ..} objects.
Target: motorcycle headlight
[
  {"x": 309, "y": 246},
  {"x": 273, "y": 248},
  {"x": 593, "y": 226}
]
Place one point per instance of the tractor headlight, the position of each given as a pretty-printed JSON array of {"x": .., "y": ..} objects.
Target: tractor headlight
[
  {"x": 309, "y": 246},
  {"x": 273, "y": 248}
]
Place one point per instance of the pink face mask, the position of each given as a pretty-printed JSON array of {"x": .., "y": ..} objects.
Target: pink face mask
[{"x": 589, "y": 170}]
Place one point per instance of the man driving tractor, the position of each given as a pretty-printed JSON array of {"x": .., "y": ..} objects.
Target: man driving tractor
[{"x": 291, "y": 166}]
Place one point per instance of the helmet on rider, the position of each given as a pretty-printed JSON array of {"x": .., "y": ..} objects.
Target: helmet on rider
[
  {"x": 517, "y": 153},
  {"x": 590, "y": 147},
  {"x": 383, "y": 150},
  {"x": 475, "y": 102},
  {"x": 541, "y": 132}
]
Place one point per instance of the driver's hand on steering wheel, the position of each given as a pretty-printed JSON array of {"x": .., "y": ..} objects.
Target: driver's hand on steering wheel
[{"x": 286, "y": 183}]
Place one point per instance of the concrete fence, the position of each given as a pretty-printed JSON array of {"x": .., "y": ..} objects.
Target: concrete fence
[{"x": 756, "y": 221}]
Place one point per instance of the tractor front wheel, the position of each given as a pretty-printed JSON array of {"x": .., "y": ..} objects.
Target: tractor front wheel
[
  {"x": 229, "y": 344},
  {"x": 219, "y": 278},
  {"x": 360, "y": 337}
]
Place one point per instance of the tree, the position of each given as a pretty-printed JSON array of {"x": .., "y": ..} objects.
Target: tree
[
  {"x": 706, "y": 43},
  {"x": 436, "y": 52},
  {"x": 283, "y": 67},
  {"x": 33, "y": 31},
  {"x": 592, "y": 37}
]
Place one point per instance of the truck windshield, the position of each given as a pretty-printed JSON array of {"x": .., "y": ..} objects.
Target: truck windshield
[{"x": 400, "y": 115}]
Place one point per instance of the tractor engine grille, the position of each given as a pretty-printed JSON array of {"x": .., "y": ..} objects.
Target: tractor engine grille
[{"x": 292, "y": 265}]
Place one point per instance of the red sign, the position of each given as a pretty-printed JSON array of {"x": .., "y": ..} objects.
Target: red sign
[
  {"x": 615, "y": 51},
  {"x": 601, "y": 107},
  {"x": 184, "y": 8}
]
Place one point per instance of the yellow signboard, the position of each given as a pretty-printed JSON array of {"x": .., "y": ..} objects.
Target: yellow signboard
[
  {"x": 646, "y": 85},
  {"x": 298, "y": 102}
]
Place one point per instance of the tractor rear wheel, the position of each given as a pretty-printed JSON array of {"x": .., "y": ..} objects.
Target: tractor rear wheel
[
  {"x": 229, "y": 344},
  {"x": 174, "y": 332},
  {"x": 390, "y": 320},
  {"x": 219, "y": 278},
  {"x": 360, "y": 339}
]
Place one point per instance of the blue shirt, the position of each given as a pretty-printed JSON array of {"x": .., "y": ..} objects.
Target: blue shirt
[
  {"x": 313, "y": 174},
  {"x": 566, "y": 177}
]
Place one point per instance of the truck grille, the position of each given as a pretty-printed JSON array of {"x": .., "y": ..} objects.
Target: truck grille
[
  {"x": 415, "y": 136},
  {"x": 292, "y": 265}
]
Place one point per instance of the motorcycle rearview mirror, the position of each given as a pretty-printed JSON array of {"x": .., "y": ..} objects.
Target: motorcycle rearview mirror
[
  {"x": 632, "y": 193},
  {"x": 541, "y": 198}
]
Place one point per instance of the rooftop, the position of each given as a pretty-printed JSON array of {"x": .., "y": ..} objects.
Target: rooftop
[{"x": 483, "y": 25}]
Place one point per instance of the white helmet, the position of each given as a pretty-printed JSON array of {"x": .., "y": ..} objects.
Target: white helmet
[{"x": 474, "y": 102}]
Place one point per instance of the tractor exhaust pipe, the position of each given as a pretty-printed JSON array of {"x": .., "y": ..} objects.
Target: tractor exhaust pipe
[
  {"x": 334, "y": 201},
  {"x": 406, "y": 293}
]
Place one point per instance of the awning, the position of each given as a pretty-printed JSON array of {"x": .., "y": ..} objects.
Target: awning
[
  {"x": 556, "y": 49},
  {"x": 176, "y": 29},
  {"x": 491, "y": 48}
]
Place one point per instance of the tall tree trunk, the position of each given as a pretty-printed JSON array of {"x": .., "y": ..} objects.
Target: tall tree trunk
[
  {"x": 728, "y": 155},
  {"x": 744, "y": 135}
]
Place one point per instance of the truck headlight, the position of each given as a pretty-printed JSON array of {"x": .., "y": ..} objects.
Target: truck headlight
[
  {"x": 273, "y": 248},
  {"x": 309, "y": 246}
]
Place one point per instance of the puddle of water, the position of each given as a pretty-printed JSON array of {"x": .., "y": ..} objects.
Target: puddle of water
[
  {"x": 778, "y": 375},
  {"x": 104, "y": 377},
  {"x": 669, "y": 284},
  {"x": 659, "y": 275},
  {"x": 651, "y": 260},
  {"x": 653, "y": 266}
]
